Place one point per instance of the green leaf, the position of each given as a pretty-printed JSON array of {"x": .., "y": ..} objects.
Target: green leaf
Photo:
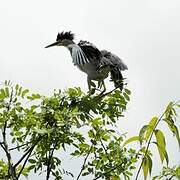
[
  {"x": 7, "y": 91},
  {"x": 31, "y": 167},
  {"x": 145, "y": 167},
  {"x": 97, "y": 122},
  {"x": 150, "y": 164},
  {"x": 84, "y": 146},
  {"x": 32, "y": 161},
  {"x": 167, "y": 158},
  {"x": 85, "y": 173},
  {"x": 24, "y": 92},
  {"x": 2, "y": 94},
  {"x": 126, "y": 96},
  {"x": 132, "y": 139},
  {"x": 161, "y": 143},
  {"x": 177, "y": 172},
  {"x": 43, "y": 131},
  {"x": 34, "y": 96},
  {"x": 142, "y": 133},
  {"x": 176, "y": 132},
  {"x": 19, "y": 91},
  {"x": 91, "y": 133},
  {"x": 127, "y": 91},
  {"x": 17, "y": 87},
  {"x": 7, "y": 82},
  {"x": 173, "y": 129},
  {"x": 106, "y": 137},
  {"x": 150, "y": 127}
]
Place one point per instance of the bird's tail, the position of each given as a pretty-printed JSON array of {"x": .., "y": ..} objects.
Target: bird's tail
[{"x": 117, "y": 77}]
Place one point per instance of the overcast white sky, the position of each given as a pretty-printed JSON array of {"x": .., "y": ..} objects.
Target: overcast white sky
[{"x": 144, "y": 33}]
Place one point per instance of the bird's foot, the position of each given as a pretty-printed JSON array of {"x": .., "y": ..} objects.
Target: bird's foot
[
  {"x": 102, "y": 92},
  {"x": 93, "y": 90}
]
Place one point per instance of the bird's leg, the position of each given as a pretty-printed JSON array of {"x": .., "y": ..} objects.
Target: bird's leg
[
  {"x": 99, "y": 84},
  {"x": 90, "y": 83},
  {"x": 104, "y": 87}
]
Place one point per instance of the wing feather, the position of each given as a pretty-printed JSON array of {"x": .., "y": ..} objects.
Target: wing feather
[
  {"x": 115, "y": 60},
  {"x": 116, "y": 66},
  {"x": 79, "y": 58},
  {"x": 91, "y": 51}
]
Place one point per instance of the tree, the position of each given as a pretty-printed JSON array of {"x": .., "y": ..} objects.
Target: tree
[{"x": 35, "y": 128}]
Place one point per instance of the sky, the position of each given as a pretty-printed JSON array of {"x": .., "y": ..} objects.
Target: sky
[{"x": 144, "y": 33}]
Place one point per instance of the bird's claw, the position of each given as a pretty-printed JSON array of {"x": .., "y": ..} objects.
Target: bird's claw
[
  {"x": 102, "y": 92},
  {"x": 93, "y": 90}
]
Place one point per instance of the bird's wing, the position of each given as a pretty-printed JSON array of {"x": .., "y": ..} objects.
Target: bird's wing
[
  {"x": 116, "y": 66},
  {"x": 113, "y": 60},
  {"x": 90, "y": 50}
]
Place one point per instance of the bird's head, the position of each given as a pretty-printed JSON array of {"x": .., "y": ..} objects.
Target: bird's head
[{"x": 63, "y": 39}]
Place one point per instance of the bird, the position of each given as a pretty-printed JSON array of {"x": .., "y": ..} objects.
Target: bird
[{"x": 97, "y": 64}]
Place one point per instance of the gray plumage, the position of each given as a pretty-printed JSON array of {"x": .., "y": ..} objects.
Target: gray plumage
[{"x": 95, "y": 63}]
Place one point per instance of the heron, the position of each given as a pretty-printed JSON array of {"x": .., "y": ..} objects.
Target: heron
[{"x": 97, "y": 64}]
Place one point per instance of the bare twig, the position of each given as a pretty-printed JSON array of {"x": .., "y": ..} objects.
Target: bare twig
[
  {"x": 28, "y": 151},
  {"x": 109, "y": 171},
  {"x": 25, "y": 162},
  {"x": 2, "y": 145},
  {"x": 101, "y": 95},
  {"x": 105, "y": 150},
  {"x": 171, "y": 177},
  {"x": 84, "y": 163},
  {"x": 51, "y": 152},
  {"x": 11, "y": 149}
]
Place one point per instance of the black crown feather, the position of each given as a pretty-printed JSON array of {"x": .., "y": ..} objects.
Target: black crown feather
[{"x": 65, "y": 35}]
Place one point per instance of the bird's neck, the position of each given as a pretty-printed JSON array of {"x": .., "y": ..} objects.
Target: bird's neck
[{"x": 71, "y": 46}]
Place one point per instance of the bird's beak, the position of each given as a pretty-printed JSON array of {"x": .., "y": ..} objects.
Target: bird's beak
[{"x": 54, "y": 44}]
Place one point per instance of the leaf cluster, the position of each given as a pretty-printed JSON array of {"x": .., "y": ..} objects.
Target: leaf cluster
[
  {"x": 152, "y": 134},
  {"x": 40, "y": 127},
  {"x": 43, "y": 130}
]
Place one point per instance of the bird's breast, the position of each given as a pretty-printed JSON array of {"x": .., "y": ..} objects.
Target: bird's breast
[
  {"x": 88, "y": 68},
  {"x": 91, "y": 69}
]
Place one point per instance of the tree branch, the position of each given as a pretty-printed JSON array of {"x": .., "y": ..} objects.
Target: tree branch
[
  {"x": 101, "y": 95},
  {"x": 84, "y": 162},
  {"x": 105, "y": 150},
  {"x": 11, "y": 149},
  {"x": 4, "y": 144},
  {"x": 27, "y": 152},
  {"x": 108, "y": 171},
  {"x": 24, "y": 163},
  {"x": 49, "y": 161}
]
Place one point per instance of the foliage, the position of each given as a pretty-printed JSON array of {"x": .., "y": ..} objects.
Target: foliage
[
  {"x": 150, "y": 131},
  {"x": 39, "y": 127},
  {"x": 39, "y": 130},
  {"x": 169, "y": 173}
]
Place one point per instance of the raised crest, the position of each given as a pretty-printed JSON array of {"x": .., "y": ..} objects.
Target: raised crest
[{"x": 65, "y": 35}]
